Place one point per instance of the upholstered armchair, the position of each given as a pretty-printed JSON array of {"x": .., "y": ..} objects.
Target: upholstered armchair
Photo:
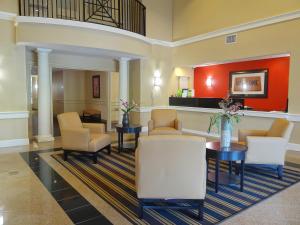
[
  {"x": 164, "y": 121},
  {"x": 88, "y": 138},
  {"x": 267, "y": 147},
  {"x": 170, "y": 168}
]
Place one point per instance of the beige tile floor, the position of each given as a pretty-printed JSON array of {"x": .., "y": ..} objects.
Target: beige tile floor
[{"x": 25, "y": 201}]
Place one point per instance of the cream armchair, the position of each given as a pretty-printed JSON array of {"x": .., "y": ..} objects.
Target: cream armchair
[
  {"x": 164, "y": 121},
  {"x": 170, "y": 167},
  {"x": 267, "y": 147},
  {"x": 89, "y": 138}
]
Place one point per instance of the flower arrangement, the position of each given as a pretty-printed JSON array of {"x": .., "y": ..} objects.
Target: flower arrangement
[
  {"x": 126, "y": 107},
  {"x": 230, "y": 114}
]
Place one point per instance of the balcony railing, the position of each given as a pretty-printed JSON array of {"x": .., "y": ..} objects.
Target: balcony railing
[{"x": 124, "y": 14}]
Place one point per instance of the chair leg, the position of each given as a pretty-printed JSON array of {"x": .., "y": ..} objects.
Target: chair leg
[
  {"x": 95, "y": 156},
  {"x": 280, "y": 172},
  {"x": 201, "y": 209},
  {"x": 140, "y": 209},
  {"x": 108, "y": 149},
  {"x": 65, "y": 155}
]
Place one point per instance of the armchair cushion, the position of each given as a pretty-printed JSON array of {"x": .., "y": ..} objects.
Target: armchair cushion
[
  {"x": 266, "y": 150},
  {"x": 164, "y": 131},
  {"x": 243, "y": 134},
  {"x": 99, "y": 141},
  {"x": 164, "y": 117},
  {"x": 75, "y": 139},
  {"x": 98, "y": 128},
  {"x": 171, "y": 167},
  {"x": 69, "y": 120},
  {"x": 278, "y": 128}
]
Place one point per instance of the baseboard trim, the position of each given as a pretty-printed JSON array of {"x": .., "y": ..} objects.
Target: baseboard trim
[
  {"x": 44, "y": 138},
  {"x": 14, "y": 142}
]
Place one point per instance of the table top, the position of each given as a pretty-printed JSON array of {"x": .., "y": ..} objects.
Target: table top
[
  {"x": 235, "y": 147},
  {"x": 132, "y": 128}
]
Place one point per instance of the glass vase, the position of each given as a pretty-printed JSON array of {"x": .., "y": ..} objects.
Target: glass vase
[
  {"x": 226, "y": 132},
  {"x": 125, "y": 120}
]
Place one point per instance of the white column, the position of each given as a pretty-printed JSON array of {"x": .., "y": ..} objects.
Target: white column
[
  {"x": 44, "y": 96},
  {"x": 123, "y": 82}
]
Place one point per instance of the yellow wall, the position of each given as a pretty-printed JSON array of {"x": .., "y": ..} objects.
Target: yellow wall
[
  {"x": 12, "y": 83},
  {"x": 193, "y": 17},
  {"x": 9, "y": 6},
  {"x": 159, "y": 19}
]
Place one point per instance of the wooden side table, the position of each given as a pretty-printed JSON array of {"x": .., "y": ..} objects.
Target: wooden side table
[
  {"x": 131, "y": 129},
  {"x": 236, "y": 152}
]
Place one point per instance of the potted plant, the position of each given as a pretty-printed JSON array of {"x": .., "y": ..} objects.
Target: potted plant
[
  {"x": 126, "y": 108},
  {"x": 224, "y": 121}
]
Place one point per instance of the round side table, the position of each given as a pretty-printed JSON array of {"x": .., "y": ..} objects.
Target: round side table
[
  {"x": 236, "y": 152},
  {"x": 131, "y": 129}
]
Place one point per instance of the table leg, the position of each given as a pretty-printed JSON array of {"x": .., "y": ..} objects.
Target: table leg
[
  {"x": 137, "y": 135},
  {"x": 242, "y": 174},
  {"x": 230, "y": 167},
  {"x": 217, "y": 175},
  {"x": 119, "y": 142},
  {"x": 207, "y": 166},
  {"x": 121, "y": 137}
]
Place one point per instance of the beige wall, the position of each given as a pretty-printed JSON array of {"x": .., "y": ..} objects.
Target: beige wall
[
  {"x": 159, "y": 16},
  {"x": 9, "y": 6},
  {"x": 193, "y": 17},
  {"x": 77, "y": 92},
  {"x": 58, "y": 92},
  {"x": 267, "y": 40},
  {"x": 13, "y": 93}
]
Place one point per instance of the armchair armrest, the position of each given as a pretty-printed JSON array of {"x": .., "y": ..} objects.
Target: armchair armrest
[
  {"x": 75, "y": 139},
  {"x": 243, "y": 134},
  {"x": 95, "y": 127},
  {"x": 150, "y": 125},
  {"x": 266, "y": 150},
  {"x": 178, "y": 125}
]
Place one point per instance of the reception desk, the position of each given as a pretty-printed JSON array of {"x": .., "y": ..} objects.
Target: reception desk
[{"x": 212, "y": 103}]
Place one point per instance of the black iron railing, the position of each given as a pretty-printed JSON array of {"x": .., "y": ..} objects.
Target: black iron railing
[{"x": 125, "y": 14}]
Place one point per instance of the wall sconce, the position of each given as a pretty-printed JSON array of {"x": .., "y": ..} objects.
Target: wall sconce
[
  {"x": 209, "y": 81},
  {"x": 156, "y": 79}
]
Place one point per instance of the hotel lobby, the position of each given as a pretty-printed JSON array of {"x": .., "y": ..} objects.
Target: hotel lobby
[{"x": 149, "y": 112}]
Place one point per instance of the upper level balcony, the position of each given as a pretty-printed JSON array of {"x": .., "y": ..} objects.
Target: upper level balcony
[{"x": 128, "y": 15}]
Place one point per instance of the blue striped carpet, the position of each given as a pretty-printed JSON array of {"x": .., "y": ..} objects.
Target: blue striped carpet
[{"x": 113, "y": 180}]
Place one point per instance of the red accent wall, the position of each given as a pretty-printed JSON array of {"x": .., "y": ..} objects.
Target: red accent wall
[{"x": 277, "y": 82}]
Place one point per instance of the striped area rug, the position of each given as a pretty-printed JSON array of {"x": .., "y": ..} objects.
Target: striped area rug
[{"x": 113, "y": 180}]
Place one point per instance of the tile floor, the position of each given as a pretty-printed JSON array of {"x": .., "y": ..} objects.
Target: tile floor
[{"x": 27, "y": 200}]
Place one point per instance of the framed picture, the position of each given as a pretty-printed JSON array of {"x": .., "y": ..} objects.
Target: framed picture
[
  {"x": 96, "y": 86},
  {"x": 185, "y": 93},
  {"x": 249, "y": 84}
]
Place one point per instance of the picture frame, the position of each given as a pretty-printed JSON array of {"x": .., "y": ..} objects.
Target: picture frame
[
  {"x": 96, "y": 86},
  {"x": 249, "y": 83},
  {"x": 185, "y": 93}
]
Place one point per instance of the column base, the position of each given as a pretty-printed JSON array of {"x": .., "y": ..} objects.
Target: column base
[{"x": 44, "y": 138}]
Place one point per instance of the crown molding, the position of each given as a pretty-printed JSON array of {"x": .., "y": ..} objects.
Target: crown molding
[
  {"x": 7, "y": 16},
  {"x": 221, "y": 32}
]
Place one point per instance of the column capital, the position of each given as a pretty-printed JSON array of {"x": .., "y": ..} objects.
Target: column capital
[
  {"x": 124, "y": 59},
  {"x": 43, "y": 50}
]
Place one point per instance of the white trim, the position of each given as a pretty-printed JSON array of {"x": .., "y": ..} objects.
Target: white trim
[
  {"x": 290, "y": 117},
  {"x": 242, "y": 27},
  {"x": 294, "y": 147},
  {"x": 93, "y": 26},
  {"x": 7, "y": 16},
  {"x": 14, "y": 115},
  {"x": 225, "y": 31},
  {"x": 14, "y": 142},
  {"x": 44, "y": 138}
]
